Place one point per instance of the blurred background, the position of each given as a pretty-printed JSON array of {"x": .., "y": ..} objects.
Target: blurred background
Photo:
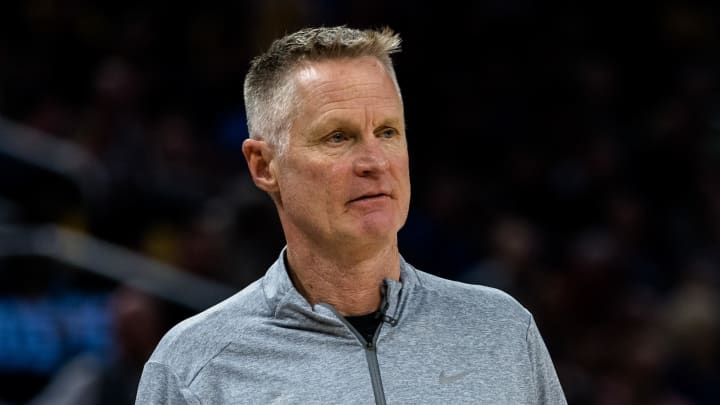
[{"x": 568, "y": 154}]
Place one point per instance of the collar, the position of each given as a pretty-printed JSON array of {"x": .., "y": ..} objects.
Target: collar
[{"x": 285, "y": 302}]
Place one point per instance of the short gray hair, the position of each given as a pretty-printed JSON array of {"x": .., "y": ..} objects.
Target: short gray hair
[{"x": 270, "y": 98}]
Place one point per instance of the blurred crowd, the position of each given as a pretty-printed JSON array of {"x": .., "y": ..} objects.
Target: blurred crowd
[{"x": 569, "y": 155}]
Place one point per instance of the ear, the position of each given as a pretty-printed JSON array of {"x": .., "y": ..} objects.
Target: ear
[{"x": 259, "y": 156}]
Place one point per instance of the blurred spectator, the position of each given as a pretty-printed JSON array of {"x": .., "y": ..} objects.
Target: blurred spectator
[{"x": 139, "y": 322}]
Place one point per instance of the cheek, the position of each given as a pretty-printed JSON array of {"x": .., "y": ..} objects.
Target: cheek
[
  {"x": 301, "y": 173},
  {"x": 312, "y": 184},
  {"x": 402, "y": 172},
  {"x": 335, "y": 182}
]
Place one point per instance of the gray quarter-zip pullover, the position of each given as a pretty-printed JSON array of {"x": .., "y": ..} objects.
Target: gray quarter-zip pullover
[{"x": 440, "y": 342}]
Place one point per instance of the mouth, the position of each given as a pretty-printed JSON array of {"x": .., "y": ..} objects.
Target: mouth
[{"x": 369, "y": 197}]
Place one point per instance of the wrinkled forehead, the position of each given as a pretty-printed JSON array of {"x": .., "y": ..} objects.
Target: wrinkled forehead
[
  {"x": 347, "y": 72},
  {"x": 338, "y": 81}
]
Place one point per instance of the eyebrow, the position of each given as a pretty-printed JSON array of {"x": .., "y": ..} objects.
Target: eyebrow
[{"x": 342, "y": 123}]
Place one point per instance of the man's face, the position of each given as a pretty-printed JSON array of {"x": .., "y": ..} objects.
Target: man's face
[{"x": 344, "y": 176}]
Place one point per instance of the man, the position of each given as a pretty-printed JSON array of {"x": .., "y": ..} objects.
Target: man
[{"x": 340, "y": 317}]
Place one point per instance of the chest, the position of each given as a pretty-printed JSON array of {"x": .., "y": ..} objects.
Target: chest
[{"x": 407, "y": 367}]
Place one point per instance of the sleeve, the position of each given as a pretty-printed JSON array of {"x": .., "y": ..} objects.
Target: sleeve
[
  {"x": 160, "y": 386},
  {"x": 547, "y": 385}
]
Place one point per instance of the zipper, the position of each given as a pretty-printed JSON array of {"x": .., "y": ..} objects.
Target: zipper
[{"x": 370, "y": 356}]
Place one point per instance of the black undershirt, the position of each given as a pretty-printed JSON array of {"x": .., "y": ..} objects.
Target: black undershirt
[{"x": 366, "y": 324}]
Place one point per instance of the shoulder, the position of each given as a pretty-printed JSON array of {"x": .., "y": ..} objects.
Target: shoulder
[
  {"x": 480, "y": 301},
  {"x": 192, "y": 343}
]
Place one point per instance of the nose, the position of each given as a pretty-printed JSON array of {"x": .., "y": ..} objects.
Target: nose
[{"x": 370, "y": 158}]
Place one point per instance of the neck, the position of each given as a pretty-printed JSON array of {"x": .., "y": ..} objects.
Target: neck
[{"x": 349, "y": 282}]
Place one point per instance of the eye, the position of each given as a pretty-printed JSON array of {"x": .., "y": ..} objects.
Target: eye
[
  {"x": 388, "y": 133},
  {"x": 337, "y": 137}
]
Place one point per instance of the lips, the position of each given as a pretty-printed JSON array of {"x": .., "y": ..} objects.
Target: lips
[{"x": 369, "y": 196}]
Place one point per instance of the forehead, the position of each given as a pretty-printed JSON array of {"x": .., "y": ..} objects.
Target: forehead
[{"x": 347, "y": 82}]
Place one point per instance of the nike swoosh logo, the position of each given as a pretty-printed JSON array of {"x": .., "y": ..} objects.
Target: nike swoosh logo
[{"x": 449, "y": 379}]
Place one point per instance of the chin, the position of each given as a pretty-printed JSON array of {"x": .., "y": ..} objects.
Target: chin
[{"x": 379, "y": 228}]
